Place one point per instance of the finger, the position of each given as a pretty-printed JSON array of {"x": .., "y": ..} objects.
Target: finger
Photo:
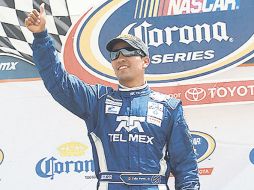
[
  {"x": 28, "y": 22},
  {"x": 33, "y": 19},
  {"x": 33, "y": 16},
  {"x": 42, "y": 9},
  {"x": 36, "y": 13}
]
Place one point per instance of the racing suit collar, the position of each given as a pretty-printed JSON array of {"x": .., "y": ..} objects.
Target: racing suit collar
[
  {"x": 125, "y": 88},
  {"x": 135, "y": 91}
]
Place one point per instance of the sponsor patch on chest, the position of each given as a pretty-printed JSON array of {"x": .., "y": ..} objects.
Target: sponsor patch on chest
[
  {"x": 155, "y": 113},
  {"x": 112, "y": 105},
  {"x": 155, "y": 110},
  {"x": 154, "y": 121},
  {"x": 113, "y": 101},
  {"x": 112, "y": 109}
]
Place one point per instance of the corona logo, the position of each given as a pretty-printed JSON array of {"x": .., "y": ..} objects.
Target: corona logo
[
  {"x": 48, "y": 167},
  {"x": 72, "y": 149}
]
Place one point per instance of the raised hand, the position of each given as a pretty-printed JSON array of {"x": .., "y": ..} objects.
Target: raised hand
[{"x": 36, "y": 21}]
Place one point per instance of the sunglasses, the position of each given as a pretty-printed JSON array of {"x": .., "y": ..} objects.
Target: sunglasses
[{"x": 127, "y": 52}]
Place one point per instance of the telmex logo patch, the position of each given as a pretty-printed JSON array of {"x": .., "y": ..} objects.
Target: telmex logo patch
[
  {"x": 186, "y": 39},
  {"x": 204, "y": 145}
]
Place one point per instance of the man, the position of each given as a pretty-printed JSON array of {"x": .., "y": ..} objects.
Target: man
[{"x": 138, "y": 136}]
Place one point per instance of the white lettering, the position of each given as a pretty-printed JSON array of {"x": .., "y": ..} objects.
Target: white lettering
[
  {"x": 203, "y": 32},
  {"x": 177, "y": 7},
  {"x": 177, "y": 57},
  {"x": 130, "y": 123},
  {"x": 149, "y": 140},
  {"x": 251, "y": 89},
  {"x": 223, "y": 92},
  {"x": 156, "y": 59},
  {"x": 169, "y": 31},
  {"x": 167, "y": 58},
  {"x": 186, "y": 34},
  {"x": 173, "y": 8},
  {"x": 176, "y": 95},
  {"x": 205, "y": 8},
  {"x": 153, "y": 36},
  {"x": 180, "y": 57},
  {"x": 106, "y": 177},
  {"x": 198, "y": 55},
  {"x": 131, "y": 138},
  {"x": 209, "y": 54},
  {"x": 219, "y": 4},
  {"x": 196, "y": 6},
  {"x": 8, "y": 66},
  {"x": 223, "y": 5},
  {"x": 196, "y": 141},
  {"x": 212, "y": 92},
  {"x": 232, "y": 90},
  {"x": 220, "y": 31},
  {"x": 242, "y": 91}
]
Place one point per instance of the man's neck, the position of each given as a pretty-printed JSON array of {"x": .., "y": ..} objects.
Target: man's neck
[{"x": 131, "y": 85}]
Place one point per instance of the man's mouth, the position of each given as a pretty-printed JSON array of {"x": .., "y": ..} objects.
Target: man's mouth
[{"x": 122, "y": 67}]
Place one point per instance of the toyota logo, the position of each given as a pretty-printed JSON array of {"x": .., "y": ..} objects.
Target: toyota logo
[{"x": 195, "y": 94}]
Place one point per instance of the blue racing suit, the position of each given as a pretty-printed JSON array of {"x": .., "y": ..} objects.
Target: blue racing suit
[{"x": 138, "y": 136}]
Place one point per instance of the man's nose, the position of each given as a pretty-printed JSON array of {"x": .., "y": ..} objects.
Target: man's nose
[{"x": 121, "y": 57}]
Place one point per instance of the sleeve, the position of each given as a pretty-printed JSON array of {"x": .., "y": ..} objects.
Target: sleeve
[
  {"x": 72, "y": 93},
  {"x": 182, "y": 158}
]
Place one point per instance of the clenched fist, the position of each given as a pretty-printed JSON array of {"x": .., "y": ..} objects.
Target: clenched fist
[{"x": 36, "y": 21}]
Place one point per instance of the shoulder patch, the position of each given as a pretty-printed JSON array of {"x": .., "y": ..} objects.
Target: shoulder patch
[
  {"x": 172, "y": 102},
  {"x": 159, "y": 96}
]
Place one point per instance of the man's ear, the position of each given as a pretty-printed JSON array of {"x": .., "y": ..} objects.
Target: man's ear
[{"x": 146, "y": 62}]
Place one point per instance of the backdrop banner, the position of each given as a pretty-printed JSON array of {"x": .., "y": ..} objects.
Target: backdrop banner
[{"x": 201, "y": 51}]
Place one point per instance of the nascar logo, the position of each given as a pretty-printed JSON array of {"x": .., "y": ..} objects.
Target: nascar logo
[
  {"x": 204, "y": 145},
  {"x": 182, "y": 45},
  {"x": 155, "y": 8}
]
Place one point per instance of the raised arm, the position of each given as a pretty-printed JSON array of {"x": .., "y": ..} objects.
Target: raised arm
[{"x": 72, "y": 93}]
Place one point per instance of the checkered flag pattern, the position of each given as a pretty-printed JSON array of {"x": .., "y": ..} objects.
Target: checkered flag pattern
[{"x": 16, "y": 39}]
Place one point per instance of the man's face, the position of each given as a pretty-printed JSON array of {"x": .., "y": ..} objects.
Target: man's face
[{"x": 129, "y": 70}]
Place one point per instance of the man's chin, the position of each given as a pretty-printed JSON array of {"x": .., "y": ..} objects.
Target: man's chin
[{"x": 124, "y": 80}]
